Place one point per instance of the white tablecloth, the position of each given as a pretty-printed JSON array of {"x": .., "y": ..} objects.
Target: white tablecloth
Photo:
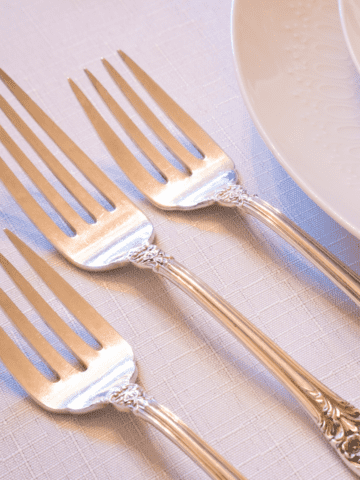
[{"x": 186, "y": 360}]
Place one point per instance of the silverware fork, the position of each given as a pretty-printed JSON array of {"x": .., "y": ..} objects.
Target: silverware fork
[
  {"x": 208, "y": 180},
  {"x": 107, "y": 375},
  {"x": 124, "y": 234}
]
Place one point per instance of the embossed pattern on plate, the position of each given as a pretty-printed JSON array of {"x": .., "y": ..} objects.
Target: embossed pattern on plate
[{"x": 301, "y": 89}]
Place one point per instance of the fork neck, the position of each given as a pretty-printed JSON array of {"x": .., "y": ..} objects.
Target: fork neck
[
  {"x": 339, "y": 273},
  {"x": 338, "y": 420},
  {"x": 134, "y": 399},
  {"x": 290, "y": 374}
]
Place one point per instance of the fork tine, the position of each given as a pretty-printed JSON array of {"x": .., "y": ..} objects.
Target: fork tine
[
  {"x": 103, "y": 333},
  {"x": 50, "y": 356},
  {"x": 75, "y": 222},
  {"x": 201, "y": 140},
  {"x": 32, "y": 209},
  {"x": 164, "y": 167},
  {"x": 21, "y": 368},
  {"x": 170, "y": 142},
  {"x": 80, "y": 349},
  {"x": 93, "y": 173},
  {"x": 141, "y": 178},
  {"x": 94, "y": 209}
]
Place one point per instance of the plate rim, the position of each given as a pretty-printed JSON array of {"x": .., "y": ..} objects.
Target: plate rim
[
  {"x": 355, "y": 58},
  {"x": 325, "y": 206}
]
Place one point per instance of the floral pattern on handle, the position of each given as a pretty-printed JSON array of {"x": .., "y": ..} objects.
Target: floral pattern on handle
[
  {"x": 340, "y": 423},
  {"x": 232, "y": 194},
  {"x": 148, "y": 256},
  {"x": 130, "y": 397}
]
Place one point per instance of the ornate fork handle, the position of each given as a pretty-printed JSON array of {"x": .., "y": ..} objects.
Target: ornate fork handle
[
  {"x": 131, "y": 397},
  {"x": 338, "y": 420},
  {"x": 236, "y": 196}
]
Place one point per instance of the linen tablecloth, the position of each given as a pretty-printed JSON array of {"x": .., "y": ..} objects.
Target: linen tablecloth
[{"x": 186, "y": 360}]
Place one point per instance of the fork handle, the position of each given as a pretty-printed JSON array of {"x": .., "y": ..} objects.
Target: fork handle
[
  {"x": 338, "y": 420},
  {"x": 347, "y": 280},
  {"x": 132, "y": 398}
]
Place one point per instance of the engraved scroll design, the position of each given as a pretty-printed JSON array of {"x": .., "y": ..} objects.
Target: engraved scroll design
[
  {"x": 130, "y": 397},
  {"x": 235, "y": 195},
  {"x": 148, "y": 256},
  {"x": 340, "y": 423}
]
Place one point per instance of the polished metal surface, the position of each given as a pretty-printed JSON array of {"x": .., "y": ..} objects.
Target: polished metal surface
[
  {"x": 208, "y": 180},
  {"x": 338, "y": 420},
  {"x": 98, "y": 246},
  {"x": 107, "y": 374}
]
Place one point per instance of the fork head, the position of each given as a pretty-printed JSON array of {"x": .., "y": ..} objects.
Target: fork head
[
  {"x": 101, "y": 245},
  {"x": 204, "y": 177},
  {"x": 75, "y": 390}
]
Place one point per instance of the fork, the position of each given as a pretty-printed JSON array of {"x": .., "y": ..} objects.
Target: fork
[
  {"x": 107, "y": 375},
  {"x": 208, "y": 180},
  {"x": 124, "y": 234}
]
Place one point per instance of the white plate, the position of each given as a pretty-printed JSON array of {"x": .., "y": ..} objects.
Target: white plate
[
  {"x": 350, "y": 21},
  {"x": 302, "y": 91}
]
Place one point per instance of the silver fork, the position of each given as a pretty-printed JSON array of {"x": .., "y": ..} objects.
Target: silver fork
[
  {"x": 123, "y": 235},
  {"x": 107, "y": 375},
  {"x": 209, "y": 180}
]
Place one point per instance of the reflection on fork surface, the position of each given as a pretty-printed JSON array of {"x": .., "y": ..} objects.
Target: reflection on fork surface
[
  {"x": 212, "y": 179},
  {"x": 124, "y": 234},
  {"x": 107, "y": 374}
]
